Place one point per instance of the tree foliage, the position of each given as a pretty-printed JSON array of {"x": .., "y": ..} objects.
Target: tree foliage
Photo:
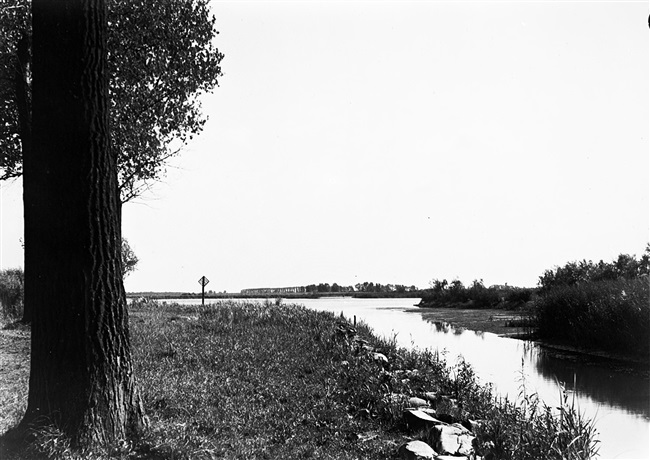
[
  {"x": 443, "y": 292},
  {"x": 129, "y": 259},
  {"x": 15, "y": 81},
  {"x": 624, "y": 266},
  {"x": 162, "y": 57},
  {"x": 383, "y": 288}
]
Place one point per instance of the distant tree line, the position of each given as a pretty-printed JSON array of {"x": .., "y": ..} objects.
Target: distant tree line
[
  {"x": 326, "y": 287},
  {"x": 368, "y": 287},
  {"x": 385, "y": 288}
]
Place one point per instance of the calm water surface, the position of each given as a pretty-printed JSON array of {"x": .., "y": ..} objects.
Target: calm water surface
[{"x": 617, "y": 399}]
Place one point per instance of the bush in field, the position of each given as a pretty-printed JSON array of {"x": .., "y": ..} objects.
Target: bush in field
[
  {"x": 11, "y": 293},
  {"x": 611, "y": 314}
]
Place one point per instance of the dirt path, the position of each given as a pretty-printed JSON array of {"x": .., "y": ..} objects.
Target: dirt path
[{"x": 14, "y": 375}]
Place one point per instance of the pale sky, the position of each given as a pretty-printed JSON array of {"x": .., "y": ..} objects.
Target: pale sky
[{"x": 397, "y": 142}]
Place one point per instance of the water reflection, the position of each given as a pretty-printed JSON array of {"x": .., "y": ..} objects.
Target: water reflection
[
  {"x": 604, "y": 382},
  {"x": 446, "y": 328},
  {"x": 441, "y": 326}
]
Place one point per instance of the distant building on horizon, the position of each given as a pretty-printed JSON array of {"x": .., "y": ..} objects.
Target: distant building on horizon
[{"x": 500, "y": 286}]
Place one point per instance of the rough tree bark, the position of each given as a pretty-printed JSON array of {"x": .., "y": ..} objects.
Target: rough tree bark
[{"x": 81, "y": 370}]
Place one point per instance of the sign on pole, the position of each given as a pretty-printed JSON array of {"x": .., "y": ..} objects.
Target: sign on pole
[{"x": 203, "y": 281}]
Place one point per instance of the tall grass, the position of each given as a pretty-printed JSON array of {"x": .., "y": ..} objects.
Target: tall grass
[{"x": 612, "y": 315}]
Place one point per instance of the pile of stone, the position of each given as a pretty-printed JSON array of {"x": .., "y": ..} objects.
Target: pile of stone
[{"x": 441, "y": 435}]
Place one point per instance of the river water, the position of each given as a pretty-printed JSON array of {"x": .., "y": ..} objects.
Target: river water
[{"x": 617, "y": 398}]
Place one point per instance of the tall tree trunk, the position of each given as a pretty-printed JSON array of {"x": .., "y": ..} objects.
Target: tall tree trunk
[{"x": 81, "y": 370}]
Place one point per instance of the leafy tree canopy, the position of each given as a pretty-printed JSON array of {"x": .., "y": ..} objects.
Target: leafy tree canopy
[
  {"x": 625, "y": 266},
  {"x": 162, "y": 56},
  {"x": 14, "y": 23}
]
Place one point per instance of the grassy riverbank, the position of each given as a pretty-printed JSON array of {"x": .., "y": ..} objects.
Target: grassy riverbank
[{"x": 243, "y": 380}]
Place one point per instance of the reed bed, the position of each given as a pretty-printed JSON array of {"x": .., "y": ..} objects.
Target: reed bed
[{"x": 610, "y": 315}]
